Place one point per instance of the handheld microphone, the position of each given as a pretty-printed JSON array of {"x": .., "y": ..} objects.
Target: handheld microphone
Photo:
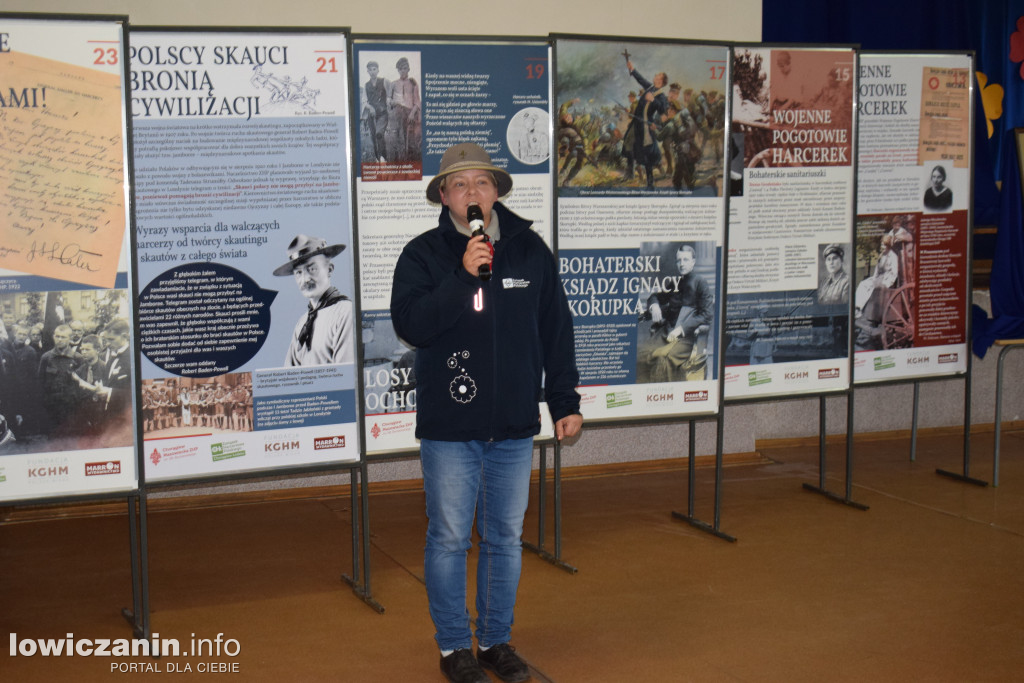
[{"x": 476, "y": 223}]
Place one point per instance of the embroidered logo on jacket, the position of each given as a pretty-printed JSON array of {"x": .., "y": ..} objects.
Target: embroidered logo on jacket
[
  {"x": 514, "y": 283},
  {"x": 462, "y": 388}
]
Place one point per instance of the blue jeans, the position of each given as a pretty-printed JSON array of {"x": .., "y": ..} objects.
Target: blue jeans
[{"x": 491, "y": 478}]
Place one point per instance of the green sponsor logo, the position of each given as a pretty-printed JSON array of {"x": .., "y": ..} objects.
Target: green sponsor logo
[
  {"x": 758, "y": 377},
  {"x": 227, "y": 450},
  {"x": 618, "y": 399},
  {"x": 884, "y": 362}
]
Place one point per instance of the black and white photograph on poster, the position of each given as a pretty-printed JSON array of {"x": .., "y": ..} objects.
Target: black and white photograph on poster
[
  {"x": 184, "y": 406},
  {"x": 751, "y": 108},
  {"x": 736, "y": 163},
  {"x": 65, "y": 371},
  {"x": 389, "y": 376},
  {"x": 834, "y": 273},
  {"x": 783, "y": 327},
  {"x": 938, "y": 197},
  {"x": 673, "y": 332},
  {"x": 390, "y": 119},
  {"x": 323, "y": 333},
  {"x": 885, "y": 301}
]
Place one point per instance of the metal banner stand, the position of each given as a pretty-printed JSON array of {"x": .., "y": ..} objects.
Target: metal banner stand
[
  {"x": 138, "y": 615},
  {"x": 713, "y": 529},
  {"x": 823, "y": 446},
  {"x": 357, "y": 501},
  {"x": 966, "y": 475},
  {"x": 556, "y": 557},
  {"x": 1008, "y": 345}
]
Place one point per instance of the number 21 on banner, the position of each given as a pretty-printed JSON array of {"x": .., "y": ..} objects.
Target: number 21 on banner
[{"x": 326, "y": 65}]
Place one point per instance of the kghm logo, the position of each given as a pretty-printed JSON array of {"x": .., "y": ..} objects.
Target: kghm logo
[
  {"x": 324, "y": 442},
  {"x": 93, "y": 469},
  {"x": 278, "y": 446},
  {"x": 797, "y": 374},
  {"x": 660, "y": 398},
  {"x": 695, "y": 396},
  {"x": 918, "y": 360},
  {"x": 47, "y": 472}
]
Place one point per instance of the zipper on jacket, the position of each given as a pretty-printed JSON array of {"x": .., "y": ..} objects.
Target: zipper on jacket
[{"x": 494, "y": 343}]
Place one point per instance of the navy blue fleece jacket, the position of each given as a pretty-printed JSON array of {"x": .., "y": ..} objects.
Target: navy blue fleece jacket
[{"x": 479, "y": 372}]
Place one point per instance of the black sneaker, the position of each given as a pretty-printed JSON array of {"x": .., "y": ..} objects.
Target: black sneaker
[
  {"x": 503, "y": 660},
  {"x": 461, "y": 667}
]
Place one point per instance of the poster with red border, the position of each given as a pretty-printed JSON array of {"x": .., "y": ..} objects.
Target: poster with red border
[
  {"x": 67, "y": 368},
  {"x": 416, "y": 99},
  {"x": 641, "y": 135},
  {"x": 245, "y": 248},
  {"x": 912, "y": 295},
  {"x": 790, "y": 222}
]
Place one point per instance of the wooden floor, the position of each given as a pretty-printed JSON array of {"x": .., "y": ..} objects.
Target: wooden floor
[{"x": 927, "y": 585}]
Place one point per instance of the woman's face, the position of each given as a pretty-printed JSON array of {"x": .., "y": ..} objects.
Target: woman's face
[
  {"x": 937, "y": 179},
  {"x": 833, "y": 263}
]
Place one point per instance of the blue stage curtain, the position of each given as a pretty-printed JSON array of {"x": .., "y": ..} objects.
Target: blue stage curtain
[{"x": 1007, "y": 284}]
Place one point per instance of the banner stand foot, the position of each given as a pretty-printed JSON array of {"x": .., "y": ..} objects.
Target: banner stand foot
[
  {"x": 703, "y": 526},
  {"x": 836, "y": 497},
  {"x": 961, "y": 477},
  {"x": 549, "y": 558},
  {"x": 363, "y": 594}
]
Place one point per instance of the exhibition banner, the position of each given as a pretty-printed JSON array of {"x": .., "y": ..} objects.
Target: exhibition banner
[
  {"x": 416, "y": 99},
  {"x": 67, "y": 370},
  {"x": 245, "y": 250},
  {"x": 912, "y": 297},
  {"x": 790, "y": 222},
  {"x": 641, "y": 221}
]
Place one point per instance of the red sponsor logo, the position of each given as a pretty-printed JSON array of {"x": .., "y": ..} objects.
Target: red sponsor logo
[
  {"x": 949, "y": 357},
  {"x": 375, "y": 431},
  {"x": 323, "y": 442},
  {"x": 93, "y": 469},
  {"x": 695, "y": 396},
  {"x": 828, "y": 373}
]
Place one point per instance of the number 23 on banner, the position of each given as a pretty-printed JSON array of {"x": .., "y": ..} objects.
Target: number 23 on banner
[{"x": 104, "y": 56}]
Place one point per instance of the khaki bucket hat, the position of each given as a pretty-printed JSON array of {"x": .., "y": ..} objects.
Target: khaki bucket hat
[{"x": 467, "y": 156}]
